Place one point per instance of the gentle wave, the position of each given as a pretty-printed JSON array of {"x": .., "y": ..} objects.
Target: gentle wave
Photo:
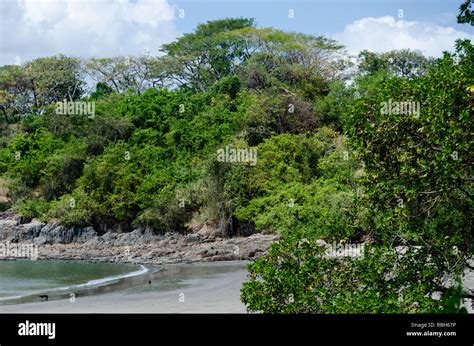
[
  {"x": 97, "y": 282},
  {"x": 91, "y": 283}
]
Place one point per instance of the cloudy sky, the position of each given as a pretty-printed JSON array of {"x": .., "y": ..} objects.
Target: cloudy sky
[{"x": 33, "y": 28}]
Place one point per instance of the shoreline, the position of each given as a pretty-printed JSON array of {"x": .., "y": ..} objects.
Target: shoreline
[
  {"x": 178, "y": 288},
  {"x": 204, "y": 266},
  {"x": 87, "y": 287},
  {"x": 138, "y": 247},
  {"x": 141, "y": 247}
]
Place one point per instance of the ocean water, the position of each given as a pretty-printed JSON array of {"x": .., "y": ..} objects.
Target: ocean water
[
  {"x": 24, "y": 281},
  {"x": 22, "y": 278}
]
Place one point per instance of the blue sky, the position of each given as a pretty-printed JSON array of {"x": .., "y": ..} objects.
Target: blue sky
[
  {"x": 85, "y": 28},
  {"x": 317, "y": 16}
]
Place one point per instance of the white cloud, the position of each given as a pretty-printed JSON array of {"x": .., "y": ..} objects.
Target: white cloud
[
  {"x": 33, "y": 28},
  {"x": 385, "y": 34}
]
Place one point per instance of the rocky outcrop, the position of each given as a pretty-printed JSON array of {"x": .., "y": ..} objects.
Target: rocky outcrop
[
  {"x": 139, "y": 246},
  {"x": 11, "y": 230}
]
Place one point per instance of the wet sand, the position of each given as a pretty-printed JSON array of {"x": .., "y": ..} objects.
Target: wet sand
[{"x": 212, "y": 293}]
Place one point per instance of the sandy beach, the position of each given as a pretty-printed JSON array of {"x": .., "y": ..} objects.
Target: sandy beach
[{"x": 213, "y": 293}]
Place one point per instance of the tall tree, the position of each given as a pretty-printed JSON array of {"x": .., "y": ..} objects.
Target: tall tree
[
  {"x": 201, "y": 58},
  {"x": 130, "y": 73},
  {"x": 53, "y": 79},
  {"x": 402, "y": 63},
  {"x": 14, "y": 91}
]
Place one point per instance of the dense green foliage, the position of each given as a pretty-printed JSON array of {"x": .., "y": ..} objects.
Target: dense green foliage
[
  {"x": 415, "y": 207},
  {"x": 466, "y": 12},
  {"x": 334, "y": 161}
]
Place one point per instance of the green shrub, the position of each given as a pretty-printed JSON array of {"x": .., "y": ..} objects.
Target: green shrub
[
  {"x": 297, "y": 276},
  {"x": 74, "y": 210},
  {"x": 31, "y": 208}
]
